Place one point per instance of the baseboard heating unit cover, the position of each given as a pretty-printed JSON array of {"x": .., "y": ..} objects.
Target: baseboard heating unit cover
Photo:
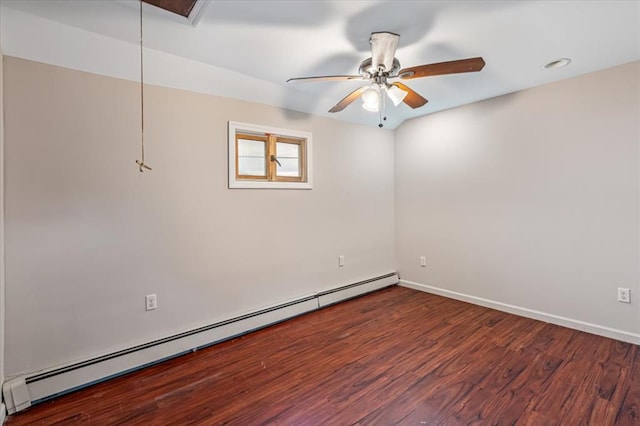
[{"x": 21, "y": 392}]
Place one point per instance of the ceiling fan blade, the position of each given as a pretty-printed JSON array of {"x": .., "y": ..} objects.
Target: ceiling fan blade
[
  {"x": 413, "y": 99},
  {"x": 348, "y": 99},
  {"x": 441, "y": 68},
  {"x": 383, "y": 49},
  {"x": 325, "y": 78}
]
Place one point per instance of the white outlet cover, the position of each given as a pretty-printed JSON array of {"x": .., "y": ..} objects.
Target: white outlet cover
[
  {"x": 151, "y": 302},
  {"x": 624, "y": 295}
]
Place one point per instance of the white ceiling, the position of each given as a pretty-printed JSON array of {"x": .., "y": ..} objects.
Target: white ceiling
[{"x": 248, "y": 49}]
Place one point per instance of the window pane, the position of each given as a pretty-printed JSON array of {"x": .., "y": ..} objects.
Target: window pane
[
  {"x": 289, "y": 167},
  {"x": 289, "y": 157},
  {"x": 248, "y": 166},
  {"x": 287, "y": 150},
  {"x": 251, "y": 158}
]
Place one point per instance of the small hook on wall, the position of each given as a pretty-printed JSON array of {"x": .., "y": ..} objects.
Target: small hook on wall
[{"x": 142, "y": 166}]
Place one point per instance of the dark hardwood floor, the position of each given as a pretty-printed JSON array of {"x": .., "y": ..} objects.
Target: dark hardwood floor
[{"x": 396, "y": 356}]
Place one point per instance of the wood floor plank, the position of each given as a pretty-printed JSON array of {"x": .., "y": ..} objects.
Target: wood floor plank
[
  {"x": 396, "y": 356},
  {"x": 629, "y": 411}
]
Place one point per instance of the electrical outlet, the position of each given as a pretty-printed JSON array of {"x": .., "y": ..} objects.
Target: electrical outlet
[
  {"x": 151, "y": 302},
  {"x": 340, "y": 260},
  {"x": 624, "y": 295},
  {"x": 423, "y": 261}
]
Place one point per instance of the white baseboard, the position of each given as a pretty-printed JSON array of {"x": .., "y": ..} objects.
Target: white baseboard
[
  {"x": 599, "y": 330},
  {"x": 20, "y": 392}
]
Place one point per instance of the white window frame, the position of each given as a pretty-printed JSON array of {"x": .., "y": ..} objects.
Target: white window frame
[{"x": 237, "y": 127}]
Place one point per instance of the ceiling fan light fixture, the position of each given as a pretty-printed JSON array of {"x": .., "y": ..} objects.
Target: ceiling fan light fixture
[
  {"x": 382, "y": 67},
  {"x": 396, "y": 94},
  {"x": 371, "y": 100}
]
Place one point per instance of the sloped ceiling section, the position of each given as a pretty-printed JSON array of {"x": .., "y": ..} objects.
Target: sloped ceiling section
[
  {"x": 249, "y": 49},
  {"x": 180, "y": 7}
]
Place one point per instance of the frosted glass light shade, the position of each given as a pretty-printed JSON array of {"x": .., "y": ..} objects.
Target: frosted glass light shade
[
  {"x": 371, "y": 100},
  {"x": 396, "y": 94}
]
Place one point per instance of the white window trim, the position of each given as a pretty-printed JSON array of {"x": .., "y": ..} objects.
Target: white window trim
[{"x": 235, "y": 127}]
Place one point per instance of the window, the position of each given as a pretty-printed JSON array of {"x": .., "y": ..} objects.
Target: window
[{"x": 263, "y": 157}]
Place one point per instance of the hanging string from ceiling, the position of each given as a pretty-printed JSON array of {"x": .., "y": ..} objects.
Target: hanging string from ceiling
[{"x": 140, "y": 162}]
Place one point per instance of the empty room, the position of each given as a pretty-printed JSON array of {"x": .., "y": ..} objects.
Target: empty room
[{"x": 320, "y": 212}]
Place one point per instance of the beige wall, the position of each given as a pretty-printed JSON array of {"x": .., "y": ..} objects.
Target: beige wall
[
  {"x": 88, "y": 235},
  {"x": 529, "y": 200}
]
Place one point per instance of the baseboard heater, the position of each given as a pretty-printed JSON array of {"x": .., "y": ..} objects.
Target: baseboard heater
[{"x": 24, "y": 391}]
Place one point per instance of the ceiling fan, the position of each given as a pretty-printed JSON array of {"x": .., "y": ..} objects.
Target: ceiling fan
[{"x": 383, "y": 67}]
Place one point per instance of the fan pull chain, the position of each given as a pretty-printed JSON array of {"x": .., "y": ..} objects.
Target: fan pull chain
[
  {"x": 140, "y": 162},
  {"x": 382, "y": 110}
]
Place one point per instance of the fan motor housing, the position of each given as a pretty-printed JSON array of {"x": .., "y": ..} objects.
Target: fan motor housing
[{"x": 366, "y": 69}]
